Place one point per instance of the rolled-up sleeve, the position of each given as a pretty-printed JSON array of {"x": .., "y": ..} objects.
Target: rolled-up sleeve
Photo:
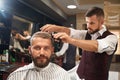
[{"x": 107, "y": 44}]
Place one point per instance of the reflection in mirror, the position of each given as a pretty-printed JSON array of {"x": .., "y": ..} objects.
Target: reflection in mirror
[{"x": 20, "y": 34}]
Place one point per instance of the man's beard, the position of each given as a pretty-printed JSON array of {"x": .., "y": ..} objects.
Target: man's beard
[
  {"x": 41, "y": 63},
  {"x": 93, "y": 31}
]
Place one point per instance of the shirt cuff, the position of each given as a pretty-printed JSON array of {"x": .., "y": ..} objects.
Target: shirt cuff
[{"x": 104, "y": 47}]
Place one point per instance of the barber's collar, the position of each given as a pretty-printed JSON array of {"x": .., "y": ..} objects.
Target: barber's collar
[{"x": 100, "y": 32}]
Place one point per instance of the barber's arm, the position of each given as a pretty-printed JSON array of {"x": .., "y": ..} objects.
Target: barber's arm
[
  {"x": 55, "y": 28},
  {"x": 89, "y": 45}
]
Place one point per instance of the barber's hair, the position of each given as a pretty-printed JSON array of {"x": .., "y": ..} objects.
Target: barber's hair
[
  {"x": 44, "y": 35},
  {"x": 95, "y": 11}
]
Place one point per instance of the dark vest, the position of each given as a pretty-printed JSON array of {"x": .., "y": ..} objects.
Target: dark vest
[{"x": 95, "y": 66}]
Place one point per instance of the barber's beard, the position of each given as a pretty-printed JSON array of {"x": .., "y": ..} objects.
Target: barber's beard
[
  {"x": 41, "y": 61},
  {"x": 92, "y": 32}
]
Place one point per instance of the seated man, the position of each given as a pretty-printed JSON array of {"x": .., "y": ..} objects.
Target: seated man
[{"x": 41, "y": 48}]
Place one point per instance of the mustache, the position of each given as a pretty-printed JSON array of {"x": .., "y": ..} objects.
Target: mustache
[{"x": 41, "y": 56}]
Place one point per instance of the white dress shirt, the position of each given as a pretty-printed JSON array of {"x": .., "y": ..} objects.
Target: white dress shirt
[
  {"x": 107, "y": 44},
  {"x": 31, "y": 72}
]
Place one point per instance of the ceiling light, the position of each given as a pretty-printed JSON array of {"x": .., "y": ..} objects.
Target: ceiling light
[{"x": 71, "y": 6}]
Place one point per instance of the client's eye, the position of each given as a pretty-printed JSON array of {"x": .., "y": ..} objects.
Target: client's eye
[{"x": 36, "y": 47}]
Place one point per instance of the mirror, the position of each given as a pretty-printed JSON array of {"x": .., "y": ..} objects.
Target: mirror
[{"x": 20, "y": 34}]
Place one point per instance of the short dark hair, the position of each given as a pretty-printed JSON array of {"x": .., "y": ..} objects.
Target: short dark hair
[
  {"x": 95, "y": 11},
  {"x": 44, "y": 35}
]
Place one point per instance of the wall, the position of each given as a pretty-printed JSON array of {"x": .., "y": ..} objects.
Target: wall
[
  {"x": 70, "y": 22},
  {"x": 112, "y": 15},
  {"x": 80, "y": 20}
]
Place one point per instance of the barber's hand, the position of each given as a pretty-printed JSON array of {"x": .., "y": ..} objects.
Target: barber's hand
[
  {"x": 63, "y": 36},
  {"x": 49, "y": 28}
]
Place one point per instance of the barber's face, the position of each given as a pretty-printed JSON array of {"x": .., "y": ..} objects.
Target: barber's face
[
  {"x": 41, "y": 51},
  {"x": 93, "y": 24}
]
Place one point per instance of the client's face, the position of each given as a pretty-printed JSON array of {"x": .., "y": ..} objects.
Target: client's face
[{"x": 41, "y": 51}]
